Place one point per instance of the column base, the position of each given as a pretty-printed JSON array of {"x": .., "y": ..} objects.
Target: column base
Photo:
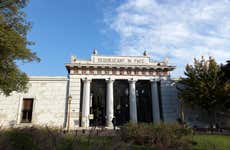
[
  {"x": 109, "y": 124},
  {"x": 84, "y": 122}
]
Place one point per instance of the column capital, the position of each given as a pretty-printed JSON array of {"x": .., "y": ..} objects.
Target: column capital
[
  {"x": 86, "y": 79},
  {"x": 163, "y": 78},
  {"x": 155, "y": 80},
  {"x": 109, "y": 80},
  {"x": 132, "y": 80}
]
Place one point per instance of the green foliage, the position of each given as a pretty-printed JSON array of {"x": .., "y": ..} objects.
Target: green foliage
[
  {"x": 160, "y": 136},
  {"x": 204, "y": 87},
  {"x": 14, "y": 47},
  {"x": 21, "y": 140},
  {"x": 40, "y": 138}
]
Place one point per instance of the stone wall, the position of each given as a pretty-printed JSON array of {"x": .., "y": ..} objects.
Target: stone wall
[
  {"x": 170, "y": 102},
  {"x": 49, "y": 108}
]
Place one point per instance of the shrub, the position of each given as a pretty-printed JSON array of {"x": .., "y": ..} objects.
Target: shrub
[
  {"x": 44, "y": 138},
  {"x": 145, "y": 135},
  {"x": 160, "y": 136}
]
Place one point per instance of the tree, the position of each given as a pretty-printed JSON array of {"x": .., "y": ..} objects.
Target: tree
[
  {"x": 204, "y": 87},
  {"x": 5, "y": 3},
  {"x": 14, "y": 47}
]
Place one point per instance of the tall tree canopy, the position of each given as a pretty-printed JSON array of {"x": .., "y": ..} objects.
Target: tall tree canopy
[
  {"x": 205, "y": 87},
  {"x": 14, "y": 46}
]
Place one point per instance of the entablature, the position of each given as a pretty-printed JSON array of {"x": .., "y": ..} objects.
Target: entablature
[{"x": 118, "y": 65}]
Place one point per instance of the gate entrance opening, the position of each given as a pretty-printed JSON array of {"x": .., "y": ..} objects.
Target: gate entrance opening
[
  {"x": 121, "y": 101},
  {"x": 98, "y": 102},
  {"x": 144, "y": 101}
]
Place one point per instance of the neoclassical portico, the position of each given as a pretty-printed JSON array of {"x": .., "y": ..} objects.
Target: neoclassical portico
[
  {"x": 110, "y": 101},
  {"x": 111, "y": 69}
]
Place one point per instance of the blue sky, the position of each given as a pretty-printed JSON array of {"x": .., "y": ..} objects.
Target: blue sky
[
  {"x": 175, "y": 29},
  {"x": 64, "y": 28}
]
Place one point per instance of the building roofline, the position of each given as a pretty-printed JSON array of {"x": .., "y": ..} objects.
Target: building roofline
[
  {"x": 67, "y": 65},
  {"x": 121, "y": 56},
  {"x": 48, "y": 78}
]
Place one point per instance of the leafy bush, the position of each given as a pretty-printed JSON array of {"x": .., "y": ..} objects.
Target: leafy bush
[
  {"x": 32, "y": 138},
  {"x": 40, "y": 138},
  {"x": 161, "y": 136},
  {"x": 132, "y": 136}
]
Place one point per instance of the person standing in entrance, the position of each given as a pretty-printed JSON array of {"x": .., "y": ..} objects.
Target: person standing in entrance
[{"x": 114, "y": 123}]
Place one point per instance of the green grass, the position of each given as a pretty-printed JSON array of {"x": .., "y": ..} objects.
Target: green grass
[
  {"x": 109, "y": 142},
  {"x": 212, "y": 142},
  {"x": 203, "y": 142}
]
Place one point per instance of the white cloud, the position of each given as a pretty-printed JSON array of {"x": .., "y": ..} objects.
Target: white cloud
[{"x": 177, "y": 29}]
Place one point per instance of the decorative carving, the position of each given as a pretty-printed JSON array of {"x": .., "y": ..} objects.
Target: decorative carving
[
  {"x": 91, "y": 71},
  {"x": 151, "y": 72},
  {"x": 73, "y": 58},
  {"x": 95, "y": 51},
  {"x": 136, "y": 72},
  {"x": 166, "y": 60},
  {"x": 128, "y": 72},
  {"x": 121, "y": 71},
  {"x": 114, "y": 71},
  {"x": 107, "y": 71},
  {"x": 75, "y": 71},
  {"x": 145, "y": 53},
  {"x": 99, "y": 71},
  {"x": 84, "y": 71},
  {"x": 165, "y": 73},
  {"x": 143, "y": 72}
]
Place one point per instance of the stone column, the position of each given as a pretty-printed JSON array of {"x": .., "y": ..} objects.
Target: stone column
[
  {"x": 109, "y": 103},
  {"x": 132, "y": 101},
  {"x": 86, "y": 103},
  {"x": 155, "y": 102}
]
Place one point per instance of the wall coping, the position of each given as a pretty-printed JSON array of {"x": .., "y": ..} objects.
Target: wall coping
[{"x": 48, "y": 78}]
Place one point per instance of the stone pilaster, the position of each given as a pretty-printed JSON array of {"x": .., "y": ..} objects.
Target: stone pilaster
[
  {"x": 132, "y": 101},
  {"x": 74, "y": 105}
]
